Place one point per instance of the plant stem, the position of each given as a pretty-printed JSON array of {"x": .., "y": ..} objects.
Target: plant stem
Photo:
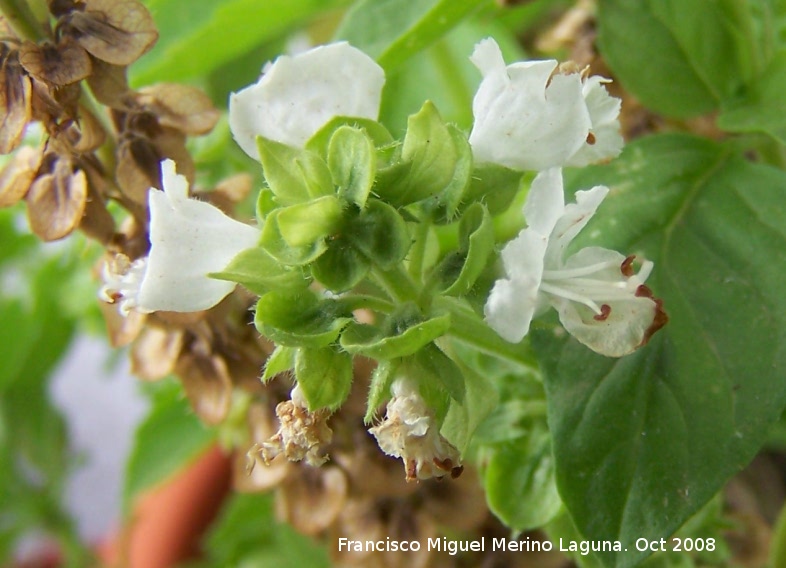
[
  {"x": 468, "y": 327},
  {"x": 366, "y": 302},
  {"x": 396, "y": 283},
  {"x": 22, "y": 20},
  {"x": 418, "y": 250}
]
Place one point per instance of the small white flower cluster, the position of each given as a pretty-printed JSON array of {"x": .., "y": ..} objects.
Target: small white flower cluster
[{"x": 410, "y": 432}]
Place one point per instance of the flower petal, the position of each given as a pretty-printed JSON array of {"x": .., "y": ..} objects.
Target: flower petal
[
  {"x": 299, "y": 94},
  {"x": 572, "y": 221},
  {"x": 510, "y": 307},
  {"x": 190, "y": 239},
  {"x": 630, "y": 316},
  {"x": 623, "y": 331},
  {"x": 545, "y": 202},
  {"x": 525, "y": 117},
  {"x": 606, "y": 140}
]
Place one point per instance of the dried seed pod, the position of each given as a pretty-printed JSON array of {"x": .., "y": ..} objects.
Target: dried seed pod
[
  {"x": 57, "y": 198},
  {"x": 109, "y": 83},
  {"x": 181, "y": 107},
  {"x": 138, "y": 168},
  {"x": 88, "y": 134},
  {"x": 207, "y": 385},
  {"x": 121, "y": 330},
  {"x": 58, "y": 65},
  {"x": 229, "y": 192},
  {"x": 16, "y": 93},
  {"x": 97, "y": 222},
  {"x": 155, "y": 352},
  {"x": 18, "y": 174},
  {"x": 312, "y": 500},
  {"x": 115, "y": 31}
]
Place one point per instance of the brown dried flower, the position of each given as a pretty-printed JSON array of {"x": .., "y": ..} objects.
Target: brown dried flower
[
  {"x": 301, "y": 435},
  {"x": 16, "y": 93},
  {"x": 410, "y": 432},
  {"x": 116, "y": 31}
]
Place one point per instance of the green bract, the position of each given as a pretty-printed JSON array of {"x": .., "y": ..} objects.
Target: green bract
[
  {"x": 435, "y": 158},
  {"x": 300, "y": 319},
  {"x": 324, "y": 375}
]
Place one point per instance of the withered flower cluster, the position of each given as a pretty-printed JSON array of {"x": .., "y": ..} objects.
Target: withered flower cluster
[
  {"x": 80, "y": 59},
  {"x": 360, "y": 494}
]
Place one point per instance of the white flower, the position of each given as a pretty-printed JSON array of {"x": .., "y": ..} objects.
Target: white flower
[
  {"x": 410, "y": 432},
  {"x": 297, "y": 95},
  {"x": 600, "y": 300},
  {"x": 189, "y": 240},
  {"x": 530, "y": 116}
]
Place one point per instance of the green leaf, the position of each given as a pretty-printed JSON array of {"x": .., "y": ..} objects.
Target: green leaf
[
  {"x": 340, "y": 267},
  {"x": 392, "y": 31},
  {"x": 760, "y": 107},
  {"x": 296, "y": 234},
  {"x": 458, "y": 272},
  {"x": 372, "y": 342},
  {"x": 698, "y": 52},
  {"x": 441, "y": 371},
  {"x": 300, "y": 319},
  {"x": 352, "y": 160},
  {"x": 495, "y": 186},
  {"x": 642, "y": 442},
  {"x": 380, "y": 233},
  {"x": 435, "y": 158},
  {"x": 294, "y": 175},
  {"x": 209, "y": 34},
  {"x": 169, "y": 438},
  {"x": 520, "y": 485},
  {"x": 465, "y": 416},
  {"x": 259, "y": 272},
  {"x": 324, "y": 376},
  {"x": 281, "y": 360}
]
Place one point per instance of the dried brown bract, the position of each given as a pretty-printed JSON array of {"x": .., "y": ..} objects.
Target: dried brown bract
[
  {"x": 16, "y": 94},
  {"x": 152, "y": 126},
  {"x": 57, "y": 198},
  {"x": 207, "y": 384},
  {"x": 55, "y": 64},
  {"x": 312, "y": 499},
  {"x": 155, "y": 352},
  {"x": 180, "y": 107},
  {"x": 116, "y": 31},
  {"x": 18, "y": 174}
]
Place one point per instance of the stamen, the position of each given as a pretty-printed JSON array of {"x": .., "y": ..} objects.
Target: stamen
[
  {"x": 627, "y": 266},
  {"x": 591, "y": 139},
  {"x": 605, "y": 310},
  {"x": 574, "y": 272},
  {"x": 562, "y": 293}
]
